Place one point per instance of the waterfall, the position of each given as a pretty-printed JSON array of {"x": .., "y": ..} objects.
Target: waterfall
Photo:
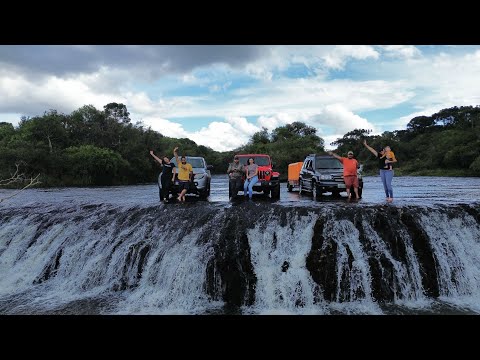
[{"x": 250, "y": 258}]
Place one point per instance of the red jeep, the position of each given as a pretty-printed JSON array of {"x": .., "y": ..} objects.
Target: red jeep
[{"x": 268, "y": 180}]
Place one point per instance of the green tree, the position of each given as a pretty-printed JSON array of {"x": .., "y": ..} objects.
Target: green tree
[
  {"x": 420, "y": 123},
  {"x": 48, "y": 128},
  {"x": 118, "y": 112},
  {"x": 6, "y": 131},
  {"x": 89, "y": 165}
]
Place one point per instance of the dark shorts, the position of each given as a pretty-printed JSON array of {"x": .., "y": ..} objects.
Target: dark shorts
[
  {"x": 351, "y": 180},
  {"x": 183, "y": 185}
]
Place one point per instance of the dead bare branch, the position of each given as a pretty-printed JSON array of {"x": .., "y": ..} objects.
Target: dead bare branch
[
  {"x": 18, "y": 177},
  {"x": 13, "y": 178}
]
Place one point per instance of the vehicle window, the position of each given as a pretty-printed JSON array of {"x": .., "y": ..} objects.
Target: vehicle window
[
  {"x": 262, "y": 161},
  {"x": 328, "y": 163},
  {"x": 195, "y": 162},
  {"x": 259, "y": 160}
]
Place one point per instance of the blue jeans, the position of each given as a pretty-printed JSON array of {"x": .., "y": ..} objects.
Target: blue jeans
[
  {"x": 387, "y": 176},
  {"x": 249, "y": 184}
]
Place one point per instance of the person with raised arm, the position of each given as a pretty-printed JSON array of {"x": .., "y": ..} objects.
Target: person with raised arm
[
  {"x": 386, "y": 158},
  {"x": 350, "y": 175},
  {"x": 166, "y": 176}
]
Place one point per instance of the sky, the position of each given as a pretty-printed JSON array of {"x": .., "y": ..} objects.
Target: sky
[{"x": 220, "y": 95}]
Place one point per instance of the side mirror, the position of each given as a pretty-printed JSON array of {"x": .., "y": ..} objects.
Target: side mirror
[
  {"x": 209, "y": 167},
  {"x": 273, "y": 164},
  {"x": 360, "y": 168}
]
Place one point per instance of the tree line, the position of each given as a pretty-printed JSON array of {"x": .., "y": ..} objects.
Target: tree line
[{"x": 92, "y": 147}]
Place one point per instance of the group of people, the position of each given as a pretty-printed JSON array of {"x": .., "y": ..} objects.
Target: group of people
[
  {"x": 185, "y": 172},
  {"x": 386, "y": 159},
  {"x": 236, "y": 171}
]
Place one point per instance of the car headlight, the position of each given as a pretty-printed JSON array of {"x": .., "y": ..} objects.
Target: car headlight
[
  {"x": 325, "y": 177},
  {"x": 199, "y": 176}
]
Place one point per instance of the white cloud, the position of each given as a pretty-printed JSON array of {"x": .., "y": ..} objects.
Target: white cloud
[
  {"x": 189, "y": 79},
  {"x": 329, "y": 139},
  {"x": 274, "y": 121},
  {"x": 342, "y": 53},
  {"x": 242, "y": 125},
  {"x": 401, "y": 51},
  {"x": 340, "y": 119},
  {"x": 401, "y": 122},
  {"x": 220, "y": 136}
]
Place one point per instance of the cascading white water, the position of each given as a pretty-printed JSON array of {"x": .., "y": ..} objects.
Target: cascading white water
[
  {"x": 272, "y": 245},
  {"x": 407, "y": 278},
  {"x": 455, "y": 240},
  {"x": 292, "y": 290},
  {"x": 155, "y": 260},
  {"x": 357, "y": 274},
  {"x": 94, "y": 261},
  {"x": 174, "y": 276}
]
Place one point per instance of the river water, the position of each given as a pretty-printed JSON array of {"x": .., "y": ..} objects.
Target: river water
[
  {"x": 420, "y": 190},
  {"x": 118, "y": 250}
]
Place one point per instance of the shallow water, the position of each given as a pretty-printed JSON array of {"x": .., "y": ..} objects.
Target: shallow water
[{"x": 408, "y": 190}]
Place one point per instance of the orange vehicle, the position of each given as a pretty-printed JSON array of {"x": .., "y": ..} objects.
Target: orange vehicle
[{"x": 294, "y": 175}]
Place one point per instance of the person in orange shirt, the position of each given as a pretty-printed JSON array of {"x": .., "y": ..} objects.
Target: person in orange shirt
[{"x": 350, "y": 176}]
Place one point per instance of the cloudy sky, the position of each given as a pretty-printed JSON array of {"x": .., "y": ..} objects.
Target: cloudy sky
[{"x": 220, "y": 95}]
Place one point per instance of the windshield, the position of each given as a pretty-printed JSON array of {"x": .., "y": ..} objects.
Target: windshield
[
  {"x": 328, "y": 163},
  {"x": 195, "y": 162},
  {"x": 259, "y": 160}
]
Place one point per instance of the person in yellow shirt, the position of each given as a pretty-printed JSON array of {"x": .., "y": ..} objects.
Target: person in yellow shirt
[{"x": 185, "y": 171}]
